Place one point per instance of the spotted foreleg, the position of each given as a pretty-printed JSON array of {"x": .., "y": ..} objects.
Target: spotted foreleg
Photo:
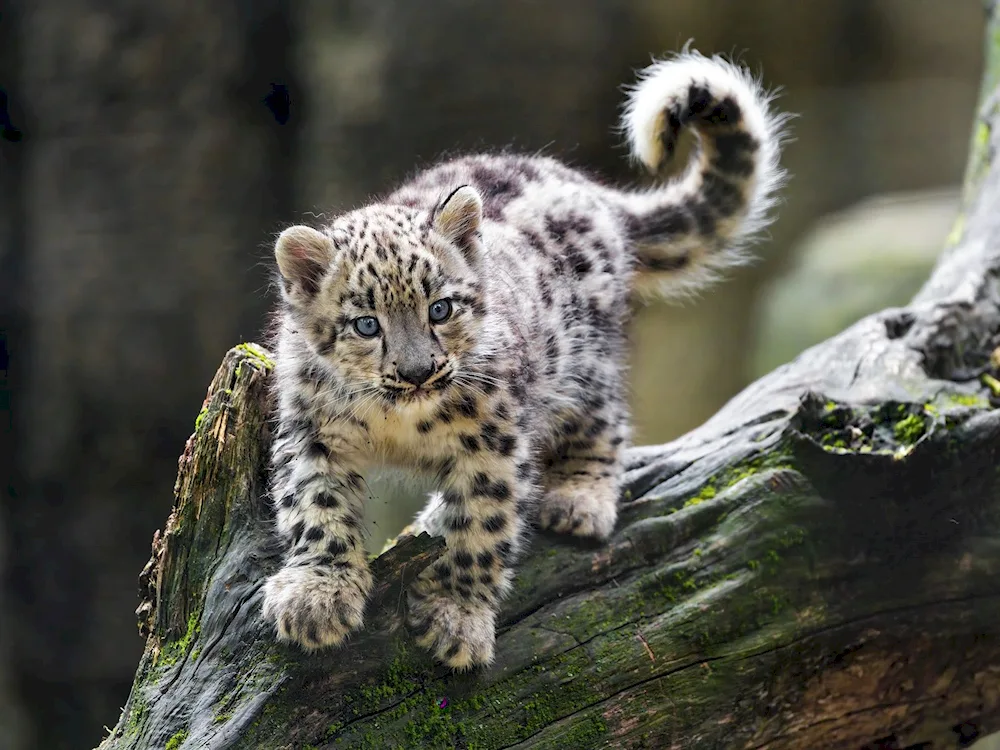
[
  {"x": 453, "y": 604},
  {"x": 318, "y": 595}
]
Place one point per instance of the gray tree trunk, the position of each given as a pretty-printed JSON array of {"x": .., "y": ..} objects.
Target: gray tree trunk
[{"x": 815, "y": 566}]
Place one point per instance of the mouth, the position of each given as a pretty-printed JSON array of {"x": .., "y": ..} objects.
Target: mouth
[{"x": 406, "y": 393}]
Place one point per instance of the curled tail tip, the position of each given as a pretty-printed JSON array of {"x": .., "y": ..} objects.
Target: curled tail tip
[
  {"x": 665, "y": 90},
  {"x": 700, "y": 222}
]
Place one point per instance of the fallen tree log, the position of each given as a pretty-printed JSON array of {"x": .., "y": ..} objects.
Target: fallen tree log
[{"x": 815, "y": 567}]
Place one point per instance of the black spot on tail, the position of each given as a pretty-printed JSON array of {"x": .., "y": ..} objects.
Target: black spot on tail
[
  {"x": 671, "y": 221},
  {"x": 699, "y": 100},
  {"x": 726, "y": 112},
  {"x": 704, "y": 217},
  {"x": 735, "y": 154},
  {"x": 671, "y": 264},
  {"x": 671, "y": 132},
  {"x": 723, "y": 196}
]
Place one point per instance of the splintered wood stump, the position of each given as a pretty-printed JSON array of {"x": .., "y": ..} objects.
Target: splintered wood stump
[{"x": 815, "y": 567}]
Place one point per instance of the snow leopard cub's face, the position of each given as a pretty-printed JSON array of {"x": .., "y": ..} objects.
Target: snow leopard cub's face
[{"x": 388, "y": 297}]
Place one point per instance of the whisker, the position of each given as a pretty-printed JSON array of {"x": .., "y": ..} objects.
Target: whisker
[
  {"x": 472, "y": 387},
  {"x": 483, "y": 378}
]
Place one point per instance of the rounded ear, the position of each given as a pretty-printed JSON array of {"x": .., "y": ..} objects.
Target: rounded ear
[
  {"x": 459, "y": 217},
  {"x": 303, "y": 256}
]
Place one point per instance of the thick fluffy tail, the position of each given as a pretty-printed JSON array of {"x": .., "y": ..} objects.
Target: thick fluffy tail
[{"x": 688, "y": 229}]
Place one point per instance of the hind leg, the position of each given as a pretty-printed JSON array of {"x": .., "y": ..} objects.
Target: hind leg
[{"x": 583, "y": 484}]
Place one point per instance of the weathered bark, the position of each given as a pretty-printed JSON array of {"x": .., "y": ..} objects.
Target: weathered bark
[{"x": 813, "y": 567}]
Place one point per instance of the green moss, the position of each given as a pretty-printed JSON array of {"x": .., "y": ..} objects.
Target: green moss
[
  {"x": 981, "y": 138},
  {"x": 578, "y": 687},
  {"x": 910, "y": 429},
  {"x": 200, "y": 418},
  {"x": 370, "y": 741},
  {"x": 990, "y": 382},
  {"x": 430, "y": 723},
  {"x": 171, "y": 651},
  {"x": 791, "y": 537},
  {"x": 257, "y": 353},
  {"x": 961, "y": 399},
  {"x": 399, "y": 691},
  {"x": 891, "y": 429},
  {"x": 140, "y": 708},
  {"x": 774, "y": 459},
  {"x": 958, "y": 228},
  {"x": 588, "y": 733},
  {"x": 401, "y": 679},
  {"x": 435, "y": 728},
  {"x": 177, "y": 740},
  {"x": 707, "y": 493}
]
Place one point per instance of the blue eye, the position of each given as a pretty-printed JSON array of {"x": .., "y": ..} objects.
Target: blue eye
[
  {"x": 440, "y": 311},
  {"x": 367, "y": 326}
]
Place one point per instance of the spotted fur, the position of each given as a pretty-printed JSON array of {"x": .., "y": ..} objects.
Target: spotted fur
[{"x": 515, "y": 402}]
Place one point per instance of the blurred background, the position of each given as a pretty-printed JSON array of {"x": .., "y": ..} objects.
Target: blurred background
[{"x": 153, "y": 150}]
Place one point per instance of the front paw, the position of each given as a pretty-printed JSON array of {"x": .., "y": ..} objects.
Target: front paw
[
  {"x": 459, "y": 634},
  {"x": 315, "y": 607},
  {"x": 580, "y": 511}
]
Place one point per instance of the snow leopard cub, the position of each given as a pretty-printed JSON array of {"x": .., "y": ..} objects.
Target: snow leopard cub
[{"x": 471, "y": 327}]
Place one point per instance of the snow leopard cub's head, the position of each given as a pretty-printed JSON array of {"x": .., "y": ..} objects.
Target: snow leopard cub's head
[{"x": 389, "y": 298}]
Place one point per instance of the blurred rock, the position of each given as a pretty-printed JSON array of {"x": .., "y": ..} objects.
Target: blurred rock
[
  {"x": 874, "y": 255},
  {"x": 989, "y": 742}
]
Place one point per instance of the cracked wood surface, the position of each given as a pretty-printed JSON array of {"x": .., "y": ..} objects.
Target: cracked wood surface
[{"x": 815, "y": 566}]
